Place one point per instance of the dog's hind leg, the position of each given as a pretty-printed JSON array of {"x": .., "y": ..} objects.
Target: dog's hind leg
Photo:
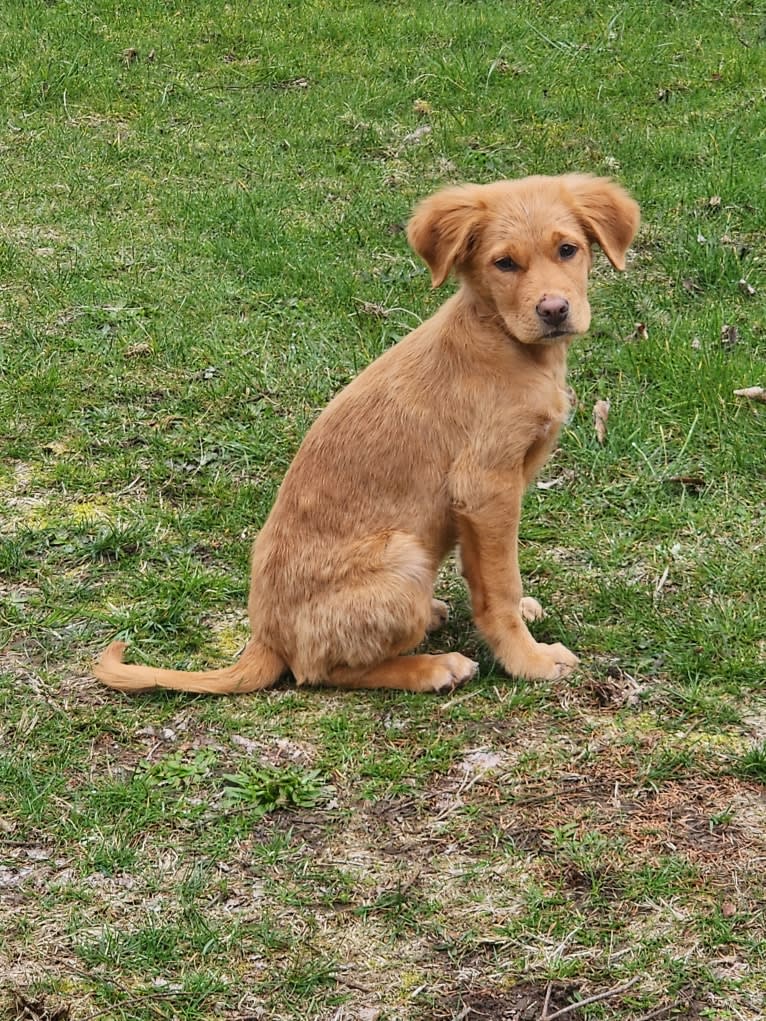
[
  {"x": 438, "y": 674},
  {"x": 353, "y": 636}
]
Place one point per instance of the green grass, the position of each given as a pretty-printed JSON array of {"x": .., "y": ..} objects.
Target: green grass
[{"x": 201, "y": 242}]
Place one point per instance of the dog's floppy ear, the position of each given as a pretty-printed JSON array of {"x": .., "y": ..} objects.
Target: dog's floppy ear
[
  {"x": 608, "y": 214},
  {"x": 444, "y": 229}
]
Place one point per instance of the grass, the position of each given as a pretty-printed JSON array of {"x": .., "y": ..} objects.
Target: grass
[{"x": 201, "y": 242}]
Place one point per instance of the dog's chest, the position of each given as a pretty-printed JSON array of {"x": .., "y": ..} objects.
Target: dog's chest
[{"x": 555, "y": 408}]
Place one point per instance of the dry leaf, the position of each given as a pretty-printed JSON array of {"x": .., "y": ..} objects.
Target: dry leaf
[
  {"x": 729, "y": 335},
  {"x": 292, "y": 83},
  {"x": 423, "y": 107},
  {"x": 369, "y": 1013},
  {"x": 57, "y": 447},
  {"x": 661, "y": 583},
  {"x": 746, "y": 288},
  {"x": 417, "y": 135},
  {"x": 165, "y": 422},
  {"x": 129, "y": 56},
  {"x": 600, "y": 416},
  {"x": 209, "y": 372},
  {"x": 694, "y": 482},
  {"x": 373, "y": 308},
  {"x": 715, "y": 201},
  {"x": 500, "y": 65},
  {"x": 138, "y": 350},
  {"x": 728, "y": 909},
  {"x": 755, "y": 393}
]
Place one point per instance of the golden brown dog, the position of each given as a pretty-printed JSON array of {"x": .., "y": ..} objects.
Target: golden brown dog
[{"x": 431, "y": 446}]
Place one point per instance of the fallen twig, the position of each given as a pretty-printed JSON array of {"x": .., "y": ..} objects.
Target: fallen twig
[
  {"x": 653, "y": 1014},
  {"x": 661, "y": 584},
  {"x": 615, "y": 991},
  {"x": 463, "y": 1013},
  {"x": 352, "y": 985},
  {"x": 547, "y": 999}
]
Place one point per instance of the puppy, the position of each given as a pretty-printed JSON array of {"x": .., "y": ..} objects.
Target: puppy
[{"x": 431, "y": 446}]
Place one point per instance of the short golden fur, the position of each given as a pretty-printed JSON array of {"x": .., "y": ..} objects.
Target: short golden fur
[{"x": 432, "y": 446}]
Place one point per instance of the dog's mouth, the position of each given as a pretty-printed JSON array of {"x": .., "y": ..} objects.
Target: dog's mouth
[{"x": 551, "y": 336}]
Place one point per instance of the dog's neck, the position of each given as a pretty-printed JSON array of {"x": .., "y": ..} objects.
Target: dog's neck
[{"x": 550, "y": 356}]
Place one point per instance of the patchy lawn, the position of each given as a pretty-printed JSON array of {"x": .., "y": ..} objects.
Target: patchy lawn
[{"x": 201, "y": 242}]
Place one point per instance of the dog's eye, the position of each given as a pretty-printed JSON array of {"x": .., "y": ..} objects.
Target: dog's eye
[
  {"x": 567, "y": 251},
  {"x": 506, "y": 264}
]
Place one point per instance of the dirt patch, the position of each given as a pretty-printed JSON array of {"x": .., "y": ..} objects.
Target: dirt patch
[
  {"x": 527, "y": 1002},
  {"x": 22, "y": 1006},
  {"x": 304, "y": 831},
  {"x": 718, "y": 823},
  {"x": 710, "y": 821},
  {"x": 523, "y": 1002}
]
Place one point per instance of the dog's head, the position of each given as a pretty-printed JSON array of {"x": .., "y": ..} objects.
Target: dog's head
[{"x": 524, "y": 247}]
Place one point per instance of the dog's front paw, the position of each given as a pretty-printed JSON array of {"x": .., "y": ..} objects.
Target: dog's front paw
[
  {"x": 564, "y": 660},
  {"x": 542, "y": 662}
]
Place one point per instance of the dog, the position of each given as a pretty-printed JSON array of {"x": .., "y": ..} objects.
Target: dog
[{"x": 432, "y": 446}]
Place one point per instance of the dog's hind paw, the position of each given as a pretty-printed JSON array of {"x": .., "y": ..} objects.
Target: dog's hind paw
[
  {"x": 452, "y": 670},
  {"x": 530, "y": 609},
  {"x": 439, "y": 615}
]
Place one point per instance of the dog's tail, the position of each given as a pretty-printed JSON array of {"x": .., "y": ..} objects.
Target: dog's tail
[{"x": 258, "y": 667}]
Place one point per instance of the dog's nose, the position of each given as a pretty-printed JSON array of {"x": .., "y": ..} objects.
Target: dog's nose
[{"x": 552, "y": 309}]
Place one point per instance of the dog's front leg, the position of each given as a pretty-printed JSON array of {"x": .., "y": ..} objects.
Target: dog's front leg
[{"x": 488, "y": 535}]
